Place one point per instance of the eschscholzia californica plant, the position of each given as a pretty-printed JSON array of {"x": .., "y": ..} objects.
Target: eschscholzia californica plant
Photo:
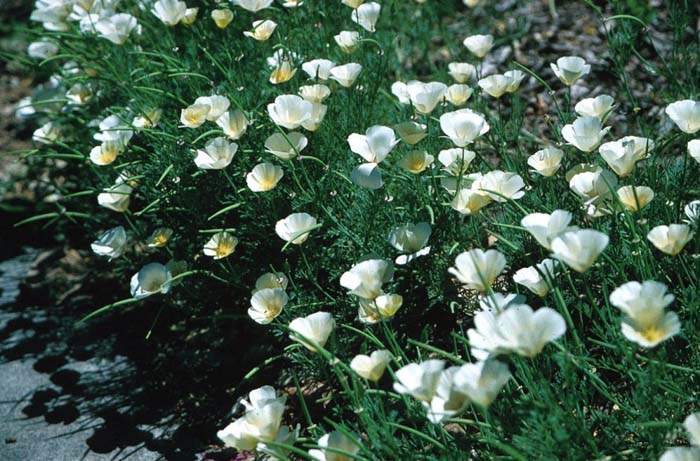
[
  {"x": 296, "y": 227},
  {"x": 262, "y": 30},
  {"x": 336, "y": 446},
  {"x": 599, "y": 107},
  {"x": 111, "y": 243},
  {"x": 569, "y": 69},
  {"x": 159, "y": 237},
  {"x": 537, "y": 278},
  {"x": 546, "y": 227},
  {"x": 670, "y": 239},
  {"x": 170, "y": 12},
  {"x": 266, "y": 304},
  {"x": 366, "y": 15},
  {"x": 411, "y": 239},
  {"x": 634, "y": 198},
  {"x": 222, "y": 17},
  {"x": 461, "y": 72},
  {"x": 579, "y": 249},
  {"x": 348, "y": 41},
  {"x": 463, "y": 126},
  {"x": 585, "y": 133},
  {"x": 221, "y": 245},
  {"x": 546, "y": 162},
  {"x": 416, "y": 161},
  {"x": 216, "y": 155},
  {"x": 286, "y": 146},
  {"x": 685, "y": 114},
  {"x": 425, "y": 96},
  {"x": 371, "y": 367},
  {"x": 264, "y": 177},
  {"x": 365, "y": 279},
  {"x": 313, "y": 330},
  {"x": 411, "y": 132},
  {"x": 479, "y": 45},
  {"x": 153, "y": 278},
  {"x": 478, "y": 269},
  {"x": 346, "y": 74},
  {"x": 379, "y": 309},
  {"x": 289, "y": 111}
]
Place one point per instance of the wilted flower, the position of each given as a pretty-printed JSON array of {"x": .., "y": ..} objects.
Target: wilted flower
[
  {"x": 371, "y": 367},
  {"x": 501, "y": 186},
  {"x": 264, "y": 177},
  {"x": 461, "y": 71},
  {"x": 286, "y": 146},
  {"x": 314, "y": 330},
  {"x": 334, "y": 446},
  {"x": 347, "y": 40},
  {"x": 634, "y": 198},
  {"x": 151, "y": 279},
  {"x": 195, "y": 115},
  {"x": 585, "y": 133},
  {"x": 346, "y": 74},
  {"x": 379, "y": 309},
  {"x": 221, "y": 245},
  {"x": 318, "y": 68},
  {"x": 416, "y": 161},
  {"x": 170, "y": 12},
  {"x": 117, "y": 28},
  {"x": 537, "y": 278},
  {"x": 425, "y": 96},
  {"x": 479, "y": 45},
  {"x": 253, "y": 5},
  {"x": 266, "y": 304},
  {"x": 289, "y": 111},
  {"x": 458, "y": 94},
  {"x": 463, "y": 126},
  {"x": 315, "y": 94},
  {"x": 262, "y": 30},
  {"x": 365, "y": 279},
  {"x": 545, "y": 227},
  {"x": 495, "y": 85},
  {"x": 295, "y": 228},
  {"x": 478, "y": 269},
  {"x": 411, "y": 132},
  {"x": 685, "y": 114},
  {"x": 670, "y": 239},
  {"x": 366, "y": 15},
  {"x": 579, "y": 248},
  {"x": 159, "y": 237},
  {"x": 568, "y": 69},
  {"x": 111, "y": 243},
  {"x": 482, "y": 381},
  {"x": 419, "y": 380},
  {"x": 599, "y": 107},
  {"x": 233, "y": 123},
  {"x": 546, "y": 162},
  {"x": 410, "y": 239},
  {"x": 217, "y": 154}
]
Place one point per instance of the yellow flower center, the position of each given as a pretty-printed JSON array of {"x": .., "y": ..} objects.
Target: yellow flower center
[{"x": 653, "y": 334}]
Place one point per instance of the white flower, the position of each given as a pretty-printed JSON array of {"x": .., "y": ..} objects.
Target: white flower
[
  {"x": 411, "y": 132},
  {"x": 217, "y": 154},
  {"x": 221, "y": 245},
  {"x": 286, "y": 146},
  {"x": 411, "y": 239},
  {"x": 621, "y": 155},
  {"x": 148, "y": 120},
  {"x": 478, "y": 269},
  {"x": 295, "y": 228},
  {"x": 585, "y": 133},
  {"x": 347, "y": 40},
  {"x": 371, "y": 367},
  {"x": 346, "y": 74},
  {"x": 290, "y": 111},
  {"x": 111, "y": 243},
  {"x": 469, "y": 201},
  {"x": 114, "y": 129},
  {"x": 315, "y": 94},
  {"x": 375, "y": 144},
  {"x": 313, "y": 330},
  {"x": 233, "y": 123},
  {"x": 546, "y": 162},
  {"x": 366, "y": 15},
  {"x": 545, "y": 227},
  {"x": 570, "y": 68},
  {"x": 365, "y": 279},
  {"x": 264, "y": 177},
  {"x": 262, "y": 30},
  {"x": 271, "y": 280},
  {"x": 579, "y": 248},
  {"x": 159, "y": 237},
  {"x": 456, "y": 161},
  {"x": 646, "y": 322},
  {"x": 448, "y": 401},
  {"x": 318, "y": 113},
  {"x": 692, "y": 426},
  {"x": 42, "y": 49},
  {"x": 495, "y": 85},
  {"x": 195, "y": 115},
  {"x": 479, "y": 45},
  {"x": 599, "y": 107},
  {"x": 381, "y": 308},
  {"x": 318, "y": 68},
  {"x": 694, "y": 149},
  {"x": 400, "y": 90},
  {"x": 334, "y": 446},
  {"x": 681, "y": 454},
  {"x": 419, "y": 380},
  {"x": 461, "y": 71},
  {"x": 516, "y": 77},
  {"x": 367, "y": 175},
  {"x": 692, "y": 212},
  {"x": 526, "y": 332},
  {"x": 670, "y": 239},
  {"x": 425, "y": 96},
  {"x": 116, "y": 197},
  {"x": 501, "y": 185},
  {"x": 685, "y": 114},
  {"x": 634, "y": 198},
  {"x": 416, "y": 161},
  {"x": 151, "y": 279},
  {"x": 47, "y": 133},
  {"x": 482, "y": 381},
  {"x": 463, "y": 126},
  {"x": 218, "y": 105},
  {"x": 458, "y": 94},
  {"x": 105, "y": 153},
  {"x": 538, "y": 277},
  {"x": 253, "y": 5},
  {"x": 116, "y": 28},
  {"x": 267, "y": 304},
  {"x": 170, "y": 12}
]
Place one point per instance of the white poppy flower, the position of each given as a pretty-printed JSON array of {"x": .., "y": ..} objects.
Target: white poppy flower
[
  {"x": 568, "y": 69},
  {"x": 314, "y": 329},
  {"x": 151, "y": 279},
  {"x": 379, "y": 309},
  {"x": 333, "y": 446},
  {"x": 195, "y": 115},
  {"x": 546, "y": 162},
  {"x": 217, "y": 154},
  {"x": 170, "y": 12},
  {"x": 116, "y": 197},
  {"x": 117, "y": 28},
  {"x": 545, "y": 227},
  {"x": 411, "y": 132},
  {"x": 458, "y": 94},
  {"x": 352, "y": 3},
  {"x": 634, "y": 198},
  {"x": 262, "y": 30},
  {"x": 685, "y": 114},
  {"x": 315, "y": 94},
  {"x": 190, "y": 16},
  {"x": 478, "y": 269},
  {"x": 621, "y": 155},
  {"x": 267, "y": 304},
  {"x": 48, "y": 133},
  {"x": 286, "y": 146},
  {"x": 105, "y": 153},
  {"x": 419, "y": 380},
  {"x": 594, "y": 186},
  {"x": 318, "y": 68},
  {"x": 371, "y": 367},
  {"x": 347, "y": 40},
  {"x": 366, "y": 15},
  {"x": 479, "y": 45},
  {"x": 411, "y": 239},
  {"x": 113, "y": 129},
  {"x": 670, "y": 239},
  {"x": 295, "y": 228},
  {"x": 218, "y": 105},
  {"x": 579, "y": 249},
  {"x": 599, "y": 107},
  {"x": 253, "y": 5},
  {"x": 681, "y": 454},
  {"x": 159, "y": 237},
  {"x": 290, "y": 111},
  {"x": 346, "y": 74},
  {"x": 367, "y": 175},
  {"x": 585, "y": 133},
  {"x": 42, "y": 49},
  {"x": 694, "y": 149},
  {"x": 456, "y": 161},
  {"x": 501, "y": 185},
  {"x": 318, "y": 113},
  {"x": 526, "y": 332},
  {"x": 482, "y": 381},
  {"x": 692, "y": 426},
  {"x": 536, "y": 278},
  {"x": 283, "y": 72},
  {"x": 233, "y": 123},
  {"x": 221, "y": 245},
  {"x": 375, "y": 144},
  {"x": 461, "y": 71},
  {"x": 468, "y": 201},
  {"x": 264, "y": 177},
  {"x": 416, "y": 161},
  {"x": 365, "y": 279},
  {"x": 111, "y": 243},
  {"x": 425, "y": 96},
  {"x": 463, "y": 126},
  {"x": 148, "y": 120},
  {"x": 400, "y": 90},
  {"x": 495, "y": 85},
  {"x": 271, "y": 280}
]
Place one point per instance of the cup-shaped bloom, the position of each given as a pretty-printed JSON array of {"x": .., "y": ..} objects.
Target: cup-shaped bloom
[
  {"x": 579, "y": 249},
  {"x": 478, "y": 269},
  {"x": 479, "y": 45},
  {"x": 116, "y": 197},
  {"x": 313, "y": 330},
  {"x": 537, "y": 278},
  {"x": 366, "y": 15},
  {"x": 568, "y": 69},
  {"x": 352, "y": 3},
  {"x": 117, "y": 28},
  {"x": 315, "y": 94},
  {"x": 267, "y": 304},
  {"x": 262, "y": 30},
  {"x": 253, "y": 5},
  {"x": 79, "y": 94},
  {"x": 495, "y": 85},
  {"x": 346, "y": 74},
  {"x": 599, "y": 107},
  {"x": 456, "y": 161},
  {"x": 149, "y": 119},
  {"x": 195, "y": 115},
  {"x": 526, "y": 332},
  {"x": 151, "y": 279},
  {"x": 221, "y": 245},
  {"x": 318, "y": 113},
  {"x": 400, "y": 90},
  {"x": 458, "y": 94},
  {"x": 113, "y": 129},
  {"x": 546, "y": 162},
  {"x": 233, "y": 123},
  {"x": 379, "y": 309},
  {"x": 634, "y": 198},
  {"x": 264, "y": 177},
  {"x": 105, "y": 153},
  {"x": 375, "y": 144},
  {"x": 419, "y": 380},
  {"x": 685, "y": 114},
  {"x": 463, "y": 126},
  {"x": 448, "y": 401},
  {"x": 286, "y": 146},
  {"x": 159, "y": 237},
  {"x": 692, "y": 426},
  {"x": 218, "y": 105},
  {"x": 347, "y": 40},
  {"x": 283, "y": 72},
  {"x": 371, "y": 367},
  {"x": 222, "y": 17},
  {"x": 111, "y": 243},
  {"x": 190, "y": 16},
  {"x": 365, "y": 279},
  {"x": 501, "y": 186},
  {"x": 42, "y": 49},
  {"x": 271, "y": 280},
  {"x": 367, "y": 175},
  {"x": 170, "y": 12},
  {"x": 411, "y": 239},
  {"x": 318, "y": 68},
  {"x": 646, "y": 322},
  {"x": 461, "y": 71},
  {"x": 290, "y": 111},
  {"x": 469, "y": 201},
  {"x": 295, "y": 228},
  {"x": 216, "y": 155},
  {"x": 622, "y": 155},
  {"x": 425, "y": 96},
  {"x": 47, "y": 133},
  {"x": 585, "y": 133},
  {"x": 416, "y": 161},
  {"x": 335, "y": 446},
  {"x": 670, "y": 239},
  {"x": 516, "y": 77},
  {"x": 545, "y": 227},
  {"x": 482, "y": 381},
  {"x": 694, "y": 149},
  {"x": 594, "y": 186},
  {"x": 411, "y": 132}
]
